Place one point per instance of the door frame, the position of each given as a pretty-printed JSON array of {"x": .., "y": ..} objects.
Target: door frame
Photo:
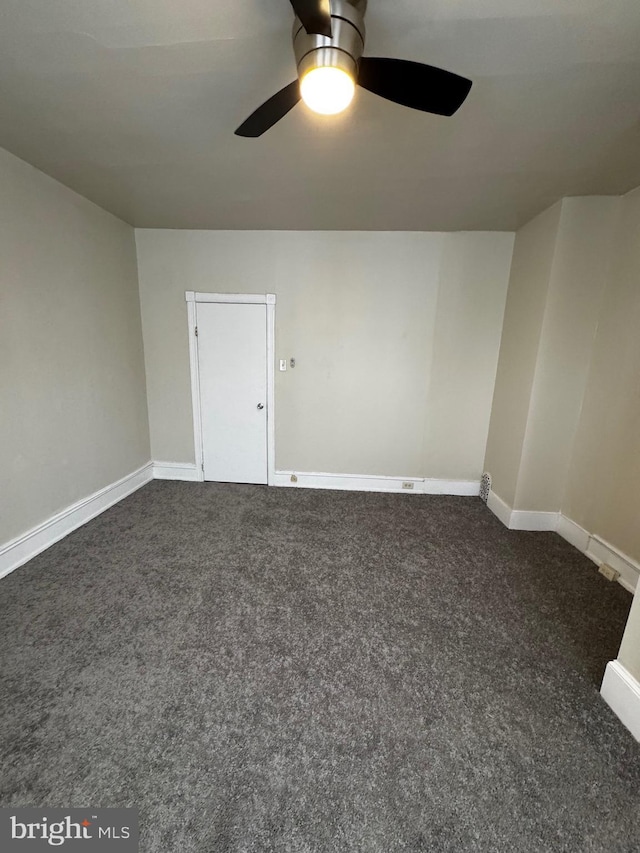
[{"x": 269, "y": 299}]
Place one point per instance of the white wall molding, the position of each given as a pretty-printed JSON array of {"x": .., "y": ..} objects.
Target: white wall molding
[
  {"x": 573, "y": 533},
  {"x": 177, "y": 471},
  {"x": 499, "y": 508},
  {"x": 235, "y": 298},
  {"x": 521, "y": 519},
  {"x": 592, "y": 546},
  {"x": 372, "y": 483},
  {"x": 621, "y": 692},
  {"x": 21, "y": 549},
  {"x": 192, "y": 320},
  {"x": 532, "y": 520},
  {"x": 601, "y": 552},
  {"x": 271, "y": 387},
  {"x": 460, "y": 488}
]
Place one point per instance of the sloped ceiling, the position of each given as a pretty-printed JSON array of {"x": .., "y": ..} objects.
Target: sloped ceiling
[{"x": 134, "y": 104}]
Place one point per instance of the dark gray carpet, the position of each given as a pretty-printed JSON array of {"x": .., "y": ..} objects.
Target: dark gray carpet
[{"x": 286, "y": 670}]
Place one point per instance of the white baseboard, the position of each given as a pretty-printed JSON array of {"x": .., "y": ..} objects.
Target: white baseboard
[
  {"x": 499, "y": 508},
  {"x": 176, "y": 471},
  {"x": 371, "y": 483},
  {"x": 621, "y": 692},
  {"x": 599, "y": 551},
  {"x": 573, "y": 533},
  {"x": 517, "y": 519},
  {"x": 592, "y": 546},
  {"x": 540, "y": 521},
  {"x": 602, "y": 552},
  {"x": 21, "y": 549}
]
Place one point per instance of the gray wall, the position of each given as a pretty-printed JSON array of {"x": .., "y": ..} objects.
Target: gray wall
[
  {"x": 395, "y": 336},
  {"x": 72, "y": 383}
]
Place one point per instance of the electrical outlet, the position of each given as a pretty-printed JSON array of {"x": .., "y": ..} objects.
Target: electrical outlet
[
  {"x": 407, "y": 485},
  {"x": 294, "y": 478},
  {"x": 609, "y": 572}
]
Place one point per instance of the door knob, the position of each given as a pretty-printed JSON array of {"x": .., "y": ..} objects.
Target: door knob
[{"x": 260, "y": 406}]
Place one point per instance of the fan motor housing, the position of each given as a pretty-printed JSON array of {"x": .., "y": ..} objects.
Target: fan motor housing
[{"x": 343, "y": 50}]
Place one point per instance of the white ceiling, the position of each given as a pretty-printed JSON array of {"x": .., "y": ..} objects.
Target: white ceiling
[{"x": 133, "y": 103}]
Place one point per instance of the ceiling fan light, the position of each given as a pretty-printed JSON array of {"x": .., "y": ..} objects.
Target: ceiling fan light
[{"x": 327, "y": 90}]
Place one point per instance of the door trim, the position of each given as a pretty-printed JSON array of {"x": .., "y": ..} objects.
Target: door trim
[{"x": 268, "y": 299}]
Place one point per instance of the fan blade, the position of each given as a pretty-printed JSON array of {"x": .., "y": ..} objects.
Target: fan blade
[
  {"x": 315, "y": 16},
  {"x": 421, "y": 87},
  {"x": 271, "y": 111}
]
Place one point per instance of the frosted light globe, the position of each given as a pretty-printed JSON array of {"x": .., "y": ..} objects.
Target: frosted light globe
[{"x": 327, "y": 90}]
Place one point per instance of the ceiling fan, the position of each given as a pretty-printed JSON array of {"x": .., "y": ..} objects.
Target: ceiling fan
[{"x": 328, "y": 41}]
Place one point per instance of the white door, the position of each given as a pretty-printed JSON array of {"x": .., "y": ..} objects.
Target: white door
[{"x": 232, "y": 362}]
